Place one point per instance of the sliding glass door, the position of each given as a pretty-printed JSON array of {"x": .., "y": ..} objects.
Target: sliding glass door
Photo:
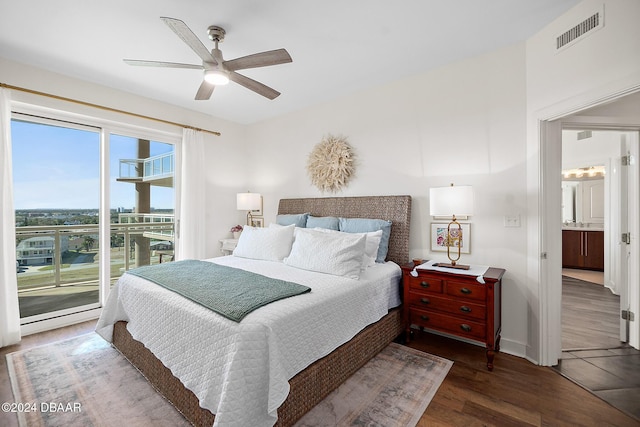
[
  {"x": 74, "y": 183},
  {"x": 56, "y": 199},
  {"x": 142, "y": 201}
]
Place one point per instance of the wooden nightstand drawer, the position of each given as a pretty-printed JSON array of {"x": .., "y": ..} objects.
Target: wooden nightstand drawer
[
  {"x": 455, "y": 303},
  {"x": 429, "y": 284},
  {"x": 448, "y": 305},
  {"x": 467, "y": 290},
  {"x": 445, "y": 323}
]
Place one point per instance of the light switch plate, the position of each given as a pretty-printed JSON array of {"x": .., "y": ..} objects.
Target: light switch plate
[{"x": 512, "y": 220}]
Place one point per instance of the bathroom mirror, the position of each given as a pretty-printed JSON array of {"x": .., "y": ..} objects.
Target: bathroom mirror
[{"x": 583, "y": 202}]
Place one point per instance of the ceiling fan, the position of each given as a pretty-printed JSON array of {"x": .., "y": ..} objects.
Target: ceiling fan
[{"x": 217, "y": 71}]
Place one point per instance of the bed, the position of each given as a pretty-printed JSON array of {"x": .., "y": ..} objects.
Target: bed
[{"x": 318, "y": 378}]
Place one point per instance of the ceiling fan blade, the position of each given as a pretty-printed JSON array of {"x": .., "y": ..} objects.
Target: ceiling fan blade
[
  {"x": 263, "y": 59},
  {"x": 144, "y": 63},
  {"x": 187, "y": 36},
  {"x": 204, "y": 91},
  {"x": 253, "y": 85}
]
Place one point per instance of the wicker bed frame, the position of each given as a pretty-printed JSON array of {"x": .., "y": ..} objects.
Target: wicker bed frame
[{"x": 315, "y": 382}]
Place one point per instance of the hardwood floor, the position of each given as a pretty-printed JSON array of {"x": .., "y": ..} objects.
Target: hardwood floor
[
  {"x": 586, "y": 275},
  {"x": 590, "y": 316},
  {"x": 516, "y": 393}
]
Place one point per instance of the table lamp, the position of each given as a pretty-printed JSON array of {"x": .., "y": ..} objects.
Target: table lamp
[
  {"x": 248, "y": 202},
  {"x": 449, "y": 202}
]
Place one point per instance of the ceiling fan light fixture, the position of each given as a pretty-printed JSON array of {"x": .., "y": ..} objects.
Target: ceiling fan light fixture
[
  {"x": 216, "y": 77},
  {"x": 217, "y": 71}
]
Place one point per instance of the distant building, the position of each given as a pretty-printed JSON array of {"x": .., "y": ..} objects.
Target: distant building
[
  {"x": 39, "y": 250},
  {"x": 162, "y": 245}
]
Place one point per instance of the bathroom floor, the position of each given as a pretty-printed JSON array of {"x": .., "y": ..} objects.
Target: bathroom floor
[{"x": 593, "y": 355}]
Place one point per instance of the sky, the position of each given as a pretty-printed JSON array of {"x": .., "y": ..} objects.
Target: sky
[{"x": 58, "y": 168}]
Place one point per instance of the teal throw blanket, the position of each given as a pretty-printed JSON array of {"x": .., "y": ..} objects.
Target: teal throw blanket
[{"x": 230, "y": 292}]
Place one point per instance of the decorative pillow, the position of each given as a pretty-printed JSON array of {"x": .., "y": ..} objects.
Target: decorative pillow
[
  {"x": 372, "y": 243},
  {"x": 328, "y": 222},
  {"x": 332, "y": 253},
  {"x": 295, "y": 228},
  {"x": 364, "y": 225},
  {"x": 299, "y": 220},
  {"x": 371, "y": 247},
  {"x": 270, "y": 244}
]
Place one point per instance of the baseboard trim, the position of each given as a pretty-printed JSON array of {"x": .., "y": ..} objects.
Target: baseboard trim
[{"x": 59, "y": 322}]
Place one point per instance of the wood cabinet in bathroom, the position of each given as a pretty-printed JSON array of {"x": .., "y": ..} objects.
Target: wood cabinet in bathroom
[{"x": 583, "y": 249}]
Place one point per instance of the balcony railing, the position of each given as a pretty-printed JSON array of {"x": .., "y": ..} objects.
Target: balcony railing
[
  {"x": 78, "y": 263},
  {"x": 153, "y": 168},
  {"x": 154, "y": 224}
]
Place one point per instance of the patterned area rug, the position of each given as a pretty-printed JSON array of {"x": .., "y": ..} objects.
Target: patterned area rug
[
  {"x": 392, "y": 389},
  {"x": 85, "y": 382}
]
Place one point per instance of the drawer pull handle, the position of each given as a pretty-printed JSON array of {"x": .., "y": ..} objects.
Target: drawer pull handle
[
  {"x": 425, "y": 300},
  {"x": 465, "y": 309},
  {"x": 465, "y": 327},
  {"x": 425, "y": 318},
  {"x": 425, "y": 284},
  {"x": 465, "y": 291}
]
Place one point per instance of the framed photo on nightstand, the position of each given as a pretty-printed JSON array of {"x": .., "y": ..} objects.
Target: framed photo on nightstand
[
  {"x": 439, "y": 237},
  {"x": 257, "y": 222}
]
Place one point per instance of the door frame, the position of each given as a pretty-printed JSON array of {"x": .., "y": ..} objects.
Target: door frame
[{"x": 549, "y": 248}]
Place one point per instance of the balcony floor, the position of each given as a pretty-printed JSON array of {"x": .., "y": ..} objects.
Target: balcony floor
[{"x": 53, "y": 299}]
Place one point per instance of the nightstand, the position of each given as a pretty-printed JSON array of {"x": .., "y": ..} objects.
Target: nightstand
[
  {"x": 228, "y": 245},
  {"x": 455, "y": 304}
]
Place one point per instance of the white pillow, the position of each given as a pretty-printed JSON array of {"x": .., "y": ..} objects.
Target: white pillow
[
  {"x": 295, "y": 228},
  {"x": 270, "y": 244},
  {"x": 372, "y": 244},
  {"x": 371, "y": 248},
  {"x": 340, "y": 254}
]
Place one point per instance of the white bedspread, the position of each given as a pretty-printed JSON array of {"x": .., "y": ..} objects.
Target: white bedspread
[{"x": 240, "y": 371}]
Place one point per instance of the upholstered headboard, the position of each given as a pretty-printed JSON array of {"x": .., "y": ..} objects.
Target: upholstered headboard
[{"x": 396, "y": 209}]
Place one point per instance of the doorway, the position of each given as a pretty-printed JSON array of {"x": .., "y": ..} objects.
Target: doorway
[
  {"x": 591, "y": 259},
  {"x": 611, "y": 371},
  {"x": 613, "y": 112}
]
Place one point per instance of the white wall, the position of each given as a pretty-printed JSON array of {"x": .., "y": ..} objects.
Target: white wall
[
  {"x": 464, "y": 123},
  {"x": 605, "y": 61},
  {"x": 473, "y": 122},
  {"x": 599, "y": 149}
]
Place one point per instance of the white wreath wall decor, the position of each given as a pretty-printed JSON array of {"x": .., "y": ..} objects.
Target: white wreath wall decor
[{"x": 331, "y": 164}]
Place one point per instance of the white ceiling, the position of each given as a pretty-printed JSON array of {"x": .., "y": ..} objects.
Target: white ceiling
[{"x": 338, "y": 46}]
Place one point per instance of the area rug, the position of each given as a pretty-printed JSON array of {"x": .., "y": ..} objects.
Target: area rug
[
  {"x": 84, "y": 381},
  {"x": 392, "y": 389}
]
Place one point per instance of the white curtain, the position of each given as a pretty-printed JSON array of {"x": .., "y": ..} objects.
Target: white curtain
[
  {"x": 9, "y": 309},
  {"x": 191, "y": 198}
]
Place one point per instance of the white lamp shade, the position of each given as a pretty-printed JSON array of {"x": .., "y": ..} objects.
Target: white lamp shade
[
  {"x": 451, "y": 200},
  {"x": 248, "y": 201}
]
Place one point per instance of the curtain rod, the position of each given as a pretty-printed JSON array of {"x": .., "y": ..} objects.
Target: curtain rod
[{"x": 101, "y": 107}]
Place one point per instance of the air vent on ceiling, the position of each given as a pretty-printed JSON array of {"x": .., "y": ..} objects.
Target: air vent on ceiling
[
  {"x": 584, "y": 134},
  {"x": 584, "y": 28}
]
